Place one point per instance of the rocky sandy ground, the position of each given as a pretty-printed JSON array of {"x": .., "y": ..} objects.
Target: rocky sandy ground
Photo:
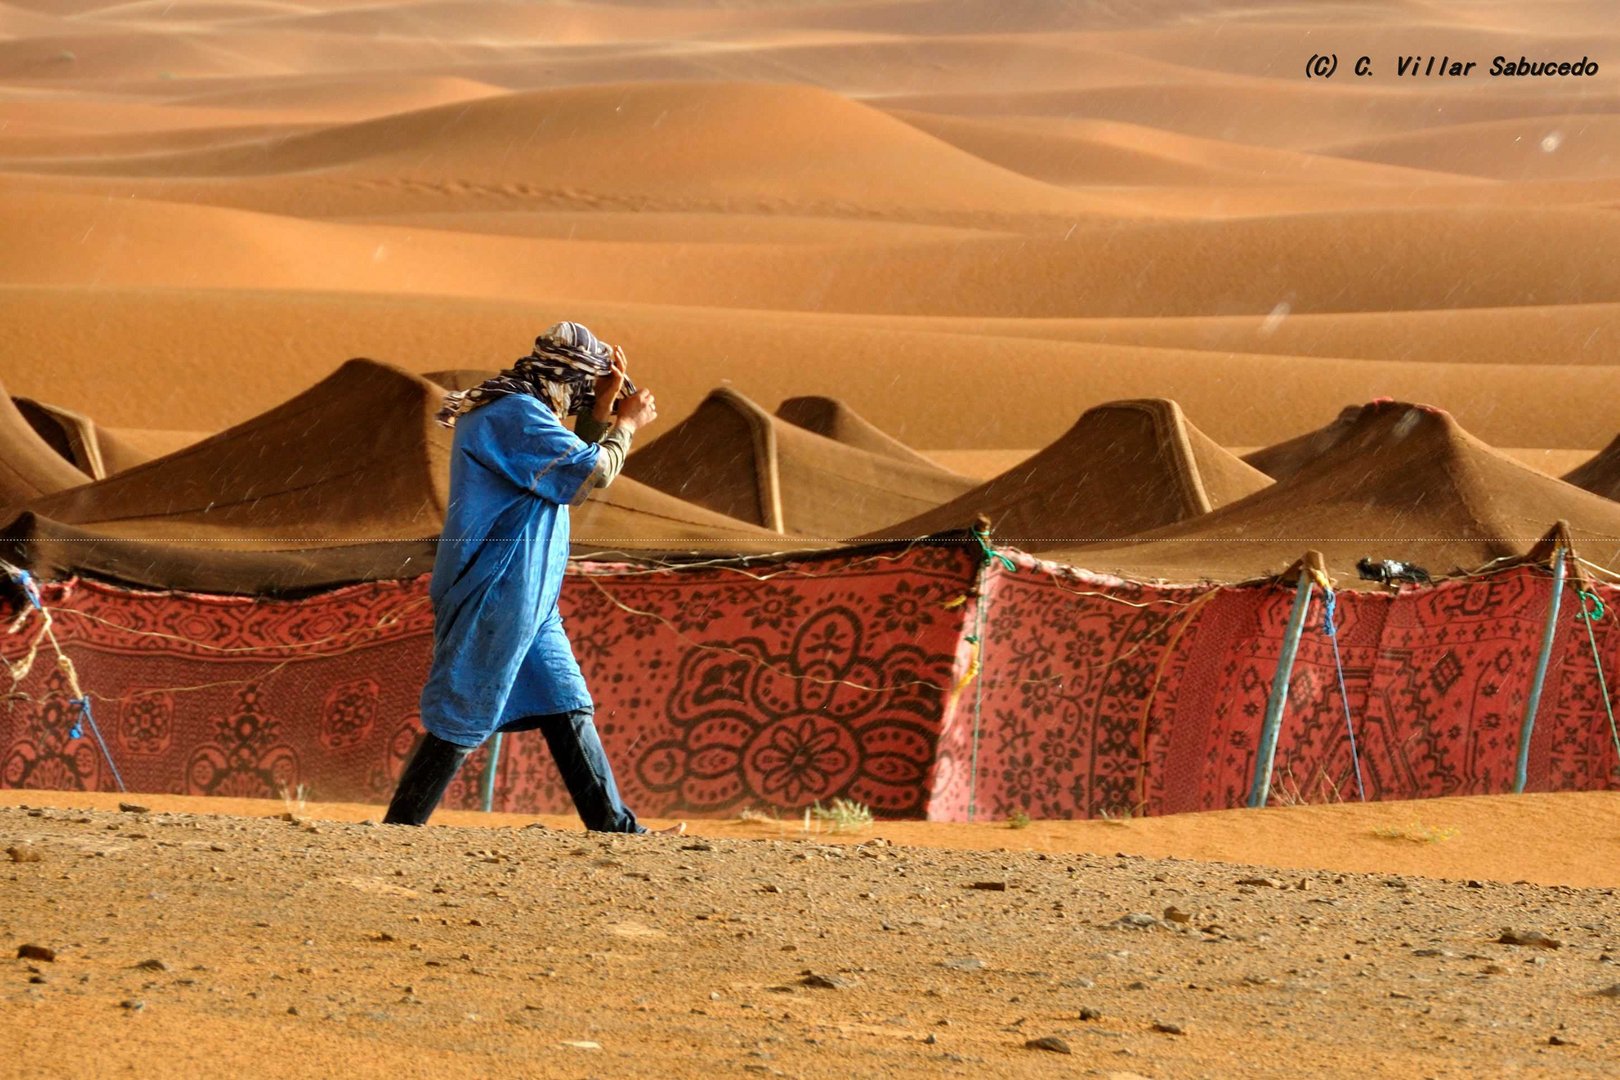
[{"x": 163, "y": 944}]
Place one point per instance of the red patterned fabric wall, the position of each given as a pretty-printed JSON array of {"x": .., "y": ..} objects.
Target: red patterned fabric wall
[
  {"x": 1107, "y": 697},
  {"x": 874, "y": 676},
  {"x": 717, "y": 689}
]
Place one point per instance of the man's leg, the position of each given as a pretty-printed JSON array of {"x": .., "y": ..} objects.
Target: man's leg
[
  {"x": 430, "y": 771},
  {"x": 577, "y": 749}
]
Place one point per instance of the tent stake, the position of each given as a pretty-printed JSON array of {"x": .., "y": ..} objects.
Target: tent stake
[
  {"x": 1522, "y": 769},
  {"x": 489, "y": 772},
  {"x": 1278, "y": 701}
]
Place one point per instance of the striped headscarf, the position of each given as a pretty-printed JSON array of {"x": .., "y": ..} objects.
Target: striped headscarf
[{"x": 561, "y": 371}]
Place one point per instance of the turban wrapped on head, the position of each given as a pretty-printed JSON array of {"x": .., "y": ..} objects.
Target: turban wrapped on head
[{"x": 561, "y": 371}]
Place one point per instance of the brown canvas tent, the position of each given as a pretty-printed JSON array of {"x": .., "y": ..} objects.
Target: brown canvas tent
[
  {"x": 832, "y": 419},
  {"x": 1405, "y": 483},
  {"x": 1123, "y": 468},
  {"x": 1600, "y": 475},
  {"x": 734, "y": 458},
  {"x": 1282, "y": 460},
  {"x": 29, "y": 465},
  {"x": 345, "y": 482},
  {"x": 96, "y": 451}
]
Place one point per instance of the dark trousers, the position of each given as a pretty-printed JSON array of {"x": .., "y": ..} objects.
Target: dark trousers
[{"x": 574, "y": 745}]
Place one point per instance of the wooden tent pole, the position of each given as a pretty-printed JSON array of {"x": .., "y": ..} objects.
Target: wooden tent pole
[
  {"x": 1266, "y": 756},
  {"x": 1521, "y": 771}
]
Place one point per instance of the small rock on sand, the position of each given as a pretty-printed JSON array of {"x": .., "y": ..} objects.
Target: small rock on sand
[
  {"x": 825, "y": 982},
  {"x": 36, "y": 952},
  {"x": 1136, "y": 920},
  {"x": 1050, "y": 1043},
  {"x": 1534, "y": 939}
]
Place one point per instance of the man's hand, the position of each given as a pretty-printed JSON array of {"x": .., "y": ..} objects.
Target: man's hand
[
  {"x": 637, "y": 410},
  {"x": 608, "y": 387}
]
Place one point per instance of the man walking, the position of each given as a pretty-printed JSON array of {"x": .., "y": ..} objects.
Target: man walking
[{"x": 501, "y": 661}]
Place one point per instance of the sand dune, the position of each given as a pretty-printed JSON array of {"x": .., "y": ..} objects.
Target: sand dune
[
  {"x": 83, "y": 347},
  {"x": 644, "y": 226},
  {"x": 276, "y": 343},
  {"x": 967, "y": 223},
  {"x": 1543, "y": 147},
  {"x": 473, "y": 20},
  {"x": 63, "y": 57},
  {"x": 1301, "y": 264},
  {"x": 1269, "y": 113},
  {"x": 344, "y": 99},
  {"x": 1526, "y": 334},
  {"x": 1084, "y": 152},
  {"x": 668, "y": 144},
  {"x": 61, "y": 113}
]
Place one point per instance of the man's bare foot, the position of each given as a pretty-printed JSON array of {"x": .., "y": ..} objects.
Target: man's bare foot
[{"x": 677, "y": 829}]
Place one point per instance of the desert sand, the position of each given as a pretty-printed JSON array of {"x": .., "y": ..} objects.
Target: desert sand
[
  {"x": 936, "y": 258},
  {"x": 207, "y": 207},
  {"x": 1342, "y": 940}
]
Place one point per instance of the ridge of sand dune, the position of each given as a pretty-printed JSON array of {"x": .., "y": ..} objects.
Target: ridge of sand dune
[
  {"x": 1304, "y": 264},
  {"x": 63, "y": 115},
  {"x": 714, "y": 141},
  {"x": 1569, "y": 147},
  {"x": 19, "y": 146},
  {"x": 17, "y": 21},
  {"x": 167, "y": 13},
  {"x": 457, "y": 21},
  {"x": 1522, "y": 334},
  {"x": 696, "y": 227},
  {"x": 345, "y": 99},
  {"x": 104, "y": 54},
  {"x": 1268, "y": 113},
  {"x": 1076, "y": 152},
  {"x": 112, "y": 352},
  {"x": 1405, "y": 482}
]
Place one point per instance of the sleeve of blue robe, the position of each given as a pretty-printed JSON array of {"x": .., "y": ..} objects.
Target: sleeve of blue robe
[
  {"x": 499, "y": 570},
  {"x": 524, "y": 442}
]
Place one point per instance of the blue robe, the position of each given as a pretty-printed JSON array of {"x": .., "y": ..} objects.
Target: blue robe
[{"x": 499, "y": 651}]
